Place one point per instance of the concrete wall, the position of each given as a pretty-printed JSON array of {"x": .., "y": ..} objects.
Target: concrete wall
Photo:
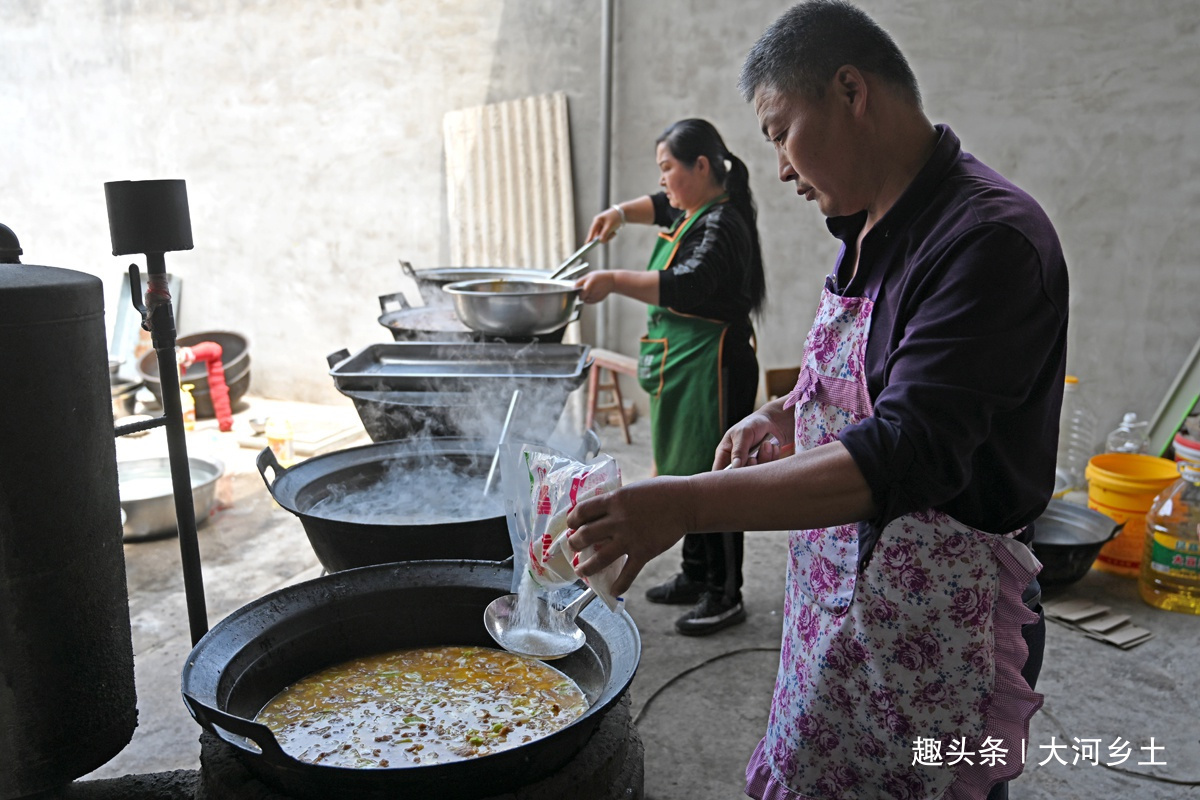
[{"x": 310, "y": 137}]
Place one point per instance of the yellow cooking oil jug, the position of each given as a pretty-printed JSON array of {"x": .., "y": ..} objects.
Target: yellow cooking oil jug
[{"x": 1170, "y": 570}]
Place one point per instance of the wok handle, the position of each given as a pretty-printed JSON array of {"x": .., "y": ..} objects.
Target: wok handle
[
  {"x": 260, "y": 734},
  {"x": 337, "y": 357},
  {"x": 396, "y": 301},
  {"x": 408, "y": 269},
  {"x": 266, "y": 460}
]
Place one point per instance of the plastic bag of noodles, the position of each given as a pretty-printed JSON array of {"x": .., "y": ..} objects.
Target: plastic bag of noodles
[{"x": 538, "y": 495}]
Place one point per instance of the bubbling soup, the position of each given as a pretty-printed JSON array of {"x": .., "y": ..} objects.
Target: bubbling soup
[{"x": 423, "y": 706}]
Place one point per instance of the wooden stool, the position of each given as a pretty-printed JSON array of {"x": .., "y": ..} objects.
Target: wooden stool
[
  {"x": 781, "y": 381},
  {"x": 616, "y": 364}
]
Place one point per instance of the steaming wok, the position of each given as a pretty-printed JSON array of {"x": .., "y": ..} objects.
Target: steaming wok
[
  {"x": 341, "y": 542},
  {"x": 369, "y": 472},
  {"x": 259, "y": 649}
]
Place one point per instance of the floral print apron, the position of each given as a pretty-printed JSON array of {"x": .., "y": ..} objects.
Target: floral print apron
[{"x": 923, "y": 644}]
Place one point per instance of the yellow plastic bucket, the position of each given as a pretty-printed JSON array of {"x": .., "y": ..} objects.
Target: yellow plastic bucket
[{"x": 1123, "y": 486}]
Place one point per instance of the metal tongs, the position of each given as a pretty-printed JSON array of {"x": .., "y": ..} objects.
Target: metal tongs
[{"x": 563, "y": 272}]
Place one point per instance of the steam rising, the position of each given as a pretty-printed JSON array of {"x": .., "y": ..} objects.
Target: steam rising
[{"x": 427, "y": 485}]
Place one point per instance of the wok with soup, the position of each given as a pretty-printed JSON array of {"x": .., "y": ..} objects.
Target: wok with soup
[{"x": 240, "y": 666}]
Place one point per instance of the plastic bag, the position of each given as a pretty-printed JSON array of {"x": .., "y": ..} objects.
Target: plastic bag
[{"x": 538, "y": 496}]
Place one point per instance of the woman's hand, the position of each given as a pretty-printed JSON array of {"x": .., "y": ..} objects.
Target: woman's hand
[
  {"x": 769, "y": 430},
  {"x": 640, "y": 520},
  {"x": 605, "y": 225},
  {"x": 595, "y": 286}
]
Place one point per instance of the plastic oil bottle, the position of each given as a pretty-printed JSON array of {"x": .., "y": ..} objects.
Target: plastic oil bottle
[
  {"x": 280, "y": 440},
  {"x": 1129, "y": 436},
  {"x": 189, "y": 406},
  {"x": 1170, "y": 571},
  {"x": 1076, "y": 438}
]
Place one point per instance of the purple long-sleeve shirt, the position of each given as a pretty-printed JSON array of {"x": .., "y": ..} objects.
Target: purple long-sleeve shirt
[{"x": 967, "y": 347}]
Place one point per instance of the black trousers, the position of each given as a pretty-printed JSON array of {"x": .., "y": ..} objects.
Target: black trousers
[{"x": 716, "y": 558}]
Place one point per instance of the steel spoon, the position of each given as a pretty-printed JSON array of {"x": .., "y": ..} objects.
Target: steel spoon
[{"x": 555, "y": 636}]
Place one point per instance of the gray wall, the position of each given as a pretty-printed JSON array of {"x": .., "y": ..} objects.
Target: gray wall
[{"x": 310, "y": 137}]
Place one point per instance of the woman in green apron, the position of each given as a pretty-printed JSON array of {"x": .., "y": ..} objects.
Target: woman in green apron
[{"x": 697, "y": 360}]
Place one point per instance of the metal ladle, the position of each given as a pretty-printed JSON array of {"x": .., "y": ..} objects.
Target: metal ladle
[
  {"x": 555, "y": 635},
  {"x": 491, "y": 474}
]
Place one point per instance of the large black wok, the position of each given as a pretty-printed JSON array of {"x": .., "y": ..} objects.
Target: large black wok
[
  {"x": 263, "y": 647},
  {"x": 341, "y": 544}
]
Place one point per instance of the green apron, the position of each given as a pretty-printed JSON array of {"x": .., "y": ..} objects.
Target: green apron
[{"x": 679, "y": 365}]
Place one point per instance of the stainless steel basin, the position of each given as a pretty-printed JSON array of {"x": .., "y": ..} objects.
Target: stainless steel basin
[
  {"x": 148, "y": 500},
  {"x": 514, "y": 307}
]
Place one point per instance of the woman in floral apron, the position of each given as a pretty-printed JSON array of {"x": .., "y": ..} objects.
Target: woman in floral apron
[
  {"x": 924, "y": 422},
  {"x": 696, "y": 361}
]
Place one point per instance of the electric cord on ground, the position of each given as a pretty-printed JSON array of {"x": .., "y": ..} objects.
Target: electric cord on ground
[
  {"x": 1057, "y": 722},
  {"x": 1062, "y": 731},
  {"x": 691, "y": 669}
]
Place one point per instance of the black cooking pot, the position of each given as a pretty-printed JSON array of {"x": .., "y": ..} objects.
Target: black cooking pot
[
  {"x": 429, "y": 323},
  {"x": 235, "y": 359},
  {"x": 341, "y": 544},
  {"x": 261, "y": 648}
]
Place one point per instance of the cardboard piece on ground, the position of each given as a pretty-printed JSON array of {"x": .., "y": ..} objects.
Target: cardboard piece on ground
[
  {"x": 1106, "y": 623},
  {"x": 1076, "y": 613},
  {"x": 1124, "y": 637},
  {"x": 1095, "y": 622}
]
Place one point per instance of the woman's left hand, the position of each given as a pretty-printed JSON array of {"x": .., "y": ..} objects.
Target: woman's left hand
[
  {"x": 595, "y": 287},
  {"x": 640, "y": 520}
]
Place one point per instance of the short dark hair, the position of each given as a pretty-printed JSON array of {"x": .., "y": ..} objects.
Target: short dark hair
[{"x": 802, "y": 50}]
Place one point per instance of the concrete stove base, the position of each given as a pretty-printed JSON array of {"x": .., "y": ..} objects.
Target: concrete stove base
[{"x": 611, "y": 766}]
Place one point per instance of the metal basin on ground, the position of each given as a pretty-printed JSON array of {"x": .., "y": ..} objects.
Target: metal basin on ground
[
  {"x": 261, "y": 648},
  {"x": 148, "y": 498}
]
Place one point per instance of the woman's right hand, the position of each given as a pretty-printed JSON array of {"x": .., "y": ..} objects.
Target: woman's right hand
[
  {"x": 605, "y": 225},
  {"x": 768, "y": 429},
  {"x": 595, "y": 286}
]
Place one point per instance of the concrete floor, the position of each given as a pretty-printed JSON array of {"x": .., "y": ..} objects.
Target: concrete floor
[{"x": 701, "y": 703}]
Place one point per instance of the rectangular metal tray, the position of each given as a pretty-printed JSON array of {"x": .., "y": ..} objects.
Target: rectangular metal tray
[{"x": 457, "y": 366}]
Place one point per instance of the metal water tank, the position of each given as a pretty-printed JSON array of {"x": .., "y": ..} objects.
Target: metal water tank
[{"x": 67, "y": 698}]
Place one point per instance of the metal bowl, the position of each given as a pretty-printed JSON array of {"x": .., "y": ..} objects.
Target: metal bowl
[
  {"x": 1067, "y": 538},
  {"x": 124, "y": 397},
  {"x": 148, "y": 500},
  {"x": 514, "y": 307}
]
